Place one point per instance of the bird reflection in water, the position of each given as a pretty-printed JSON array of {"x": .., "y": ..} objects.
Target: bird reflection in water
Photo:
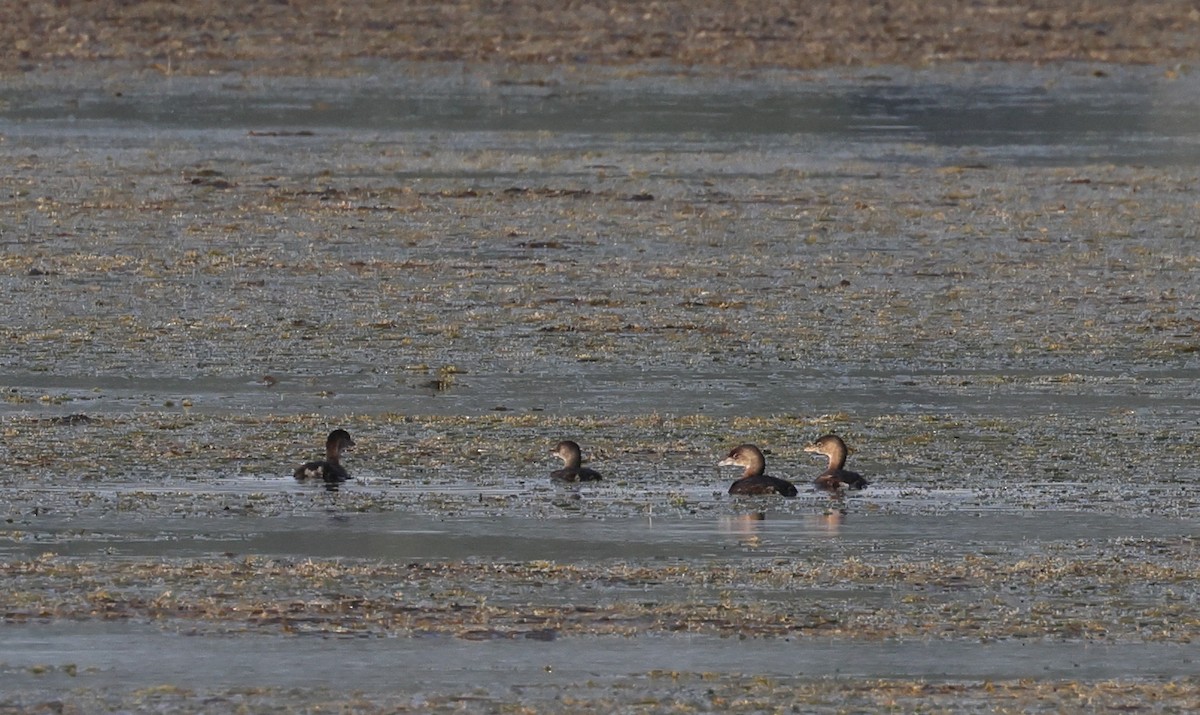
[
  {"x": 747, "y": 528},
  {"x": 743, "y": 526},
  {"x": 830, "y": 521}
]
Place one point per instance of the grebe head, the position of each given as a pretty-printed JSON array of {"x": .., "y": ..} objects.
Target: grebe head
[
  {"x": 338, "y": 442},
  {"x": 829, "y": 445},
  {"x": 747, "y": 456},
  {"x": 568, "y": 452}
]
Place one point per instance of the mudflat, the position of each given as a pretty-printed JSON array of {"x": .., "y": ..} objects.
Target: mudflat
[{"x": 316, "y": 37}]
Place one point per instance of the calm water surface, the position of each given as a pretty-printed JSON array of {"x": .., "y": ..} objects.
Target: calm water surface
[{"x": 748, "y": 130}]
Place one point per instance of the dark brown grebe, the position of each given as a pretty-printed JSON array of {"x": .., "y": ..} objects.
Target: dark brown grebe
[
  {"x": 572, "y": 457},
  {"x": 834, "y": 477},
  {"x": 331, "y": 469},
  {"x": 753, "y": 480}
]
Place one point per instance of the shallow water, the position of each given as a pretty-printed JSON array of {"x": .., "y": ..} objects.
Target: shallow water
[
  {"x": 403, "y": 537},
  {"x": 142, "y": 657},
  {"x": 984, "y": 277},
  {"x": 1015, "y": 115}
]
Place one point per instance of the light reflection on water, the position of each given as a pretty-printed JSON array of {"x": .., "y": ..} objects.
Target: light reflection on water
[
  {"x": 138, "y": 655},
  {"x": 615, "y": 389},
  {"x": 734, "y": 533},
  {"x": 1051, "y": 118}
]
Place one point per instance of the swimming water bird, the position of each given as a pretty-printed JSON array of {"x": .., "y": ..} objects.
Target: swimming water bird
[
  {"x": 330, "y": 469},
  {"x": 753, "y": 480},
  {"x": 572, "y": 457},
  {"x": 835, "y": 476}
]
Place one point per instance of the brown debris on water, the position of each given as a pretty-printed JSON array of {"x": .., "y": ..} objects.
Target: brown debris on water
[
  {"x": 1114, "y": 600},
  {"x": 741, "y": 34}
]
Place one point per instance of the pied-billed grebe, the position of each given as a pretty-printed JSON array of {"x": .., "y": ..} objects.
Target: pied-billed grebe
[
  {"x": 835, "y": 476},
  {"x": 330, "y": 469},
  {"x": 753, "y": 480},
  {"x": 572, "y": 457}
]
